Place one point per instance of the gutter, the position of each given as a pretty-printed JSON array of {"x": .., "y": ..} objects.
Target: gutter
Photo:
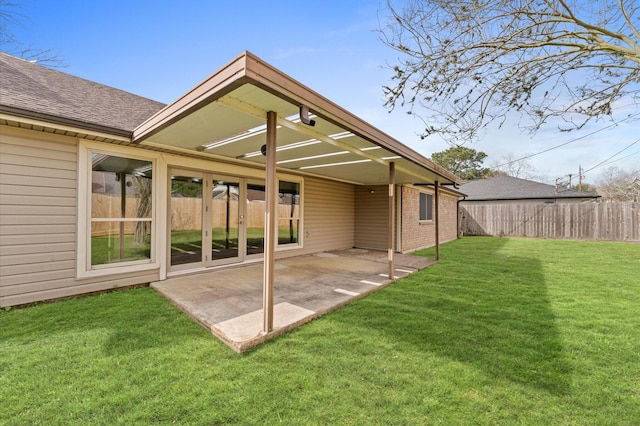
[{"x": 53, "y": 119}]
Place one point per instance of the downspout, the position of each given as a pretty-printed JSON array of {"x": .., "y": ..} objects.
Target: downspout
[
  {"x": 437, "y": 217},
  {"x": 392, "y": 219},
  {"x": 464, "y": 197}
]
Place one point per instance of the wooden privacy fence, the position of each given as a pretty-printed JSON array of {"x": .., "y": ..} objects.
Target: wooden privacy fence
[
  {"x": 186, "y": 213},
  {"x": 576, "y": 221}
]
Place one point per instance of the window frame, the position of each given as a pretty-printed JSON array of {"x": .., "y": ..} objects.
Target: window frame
[
  {"x": 84, "y": 268},
  {"x": 299, "y": 243},
  {"x": 428, "y": 208}
]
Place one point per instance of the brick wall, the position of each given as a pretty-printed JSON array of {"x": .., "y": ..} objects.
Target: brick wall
[{"x": 416, "y": 234}]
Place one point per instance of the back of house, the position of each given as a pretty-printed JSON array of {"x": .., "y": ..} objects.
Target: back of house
[{"x": 102, "y": 189}]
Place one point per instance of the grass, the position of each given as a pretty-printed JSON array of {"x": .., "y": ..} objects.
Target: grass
[
  {"x": 190, "y": 240},
  {"x": 106, "y": 249},
  {"x": 501, "y": 331}
]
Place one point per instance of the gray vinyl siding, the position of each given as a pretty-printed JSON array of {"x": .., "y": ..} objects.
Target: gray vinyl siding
[
  {"x": 38, "y": 213},
  {"x": 372, "y": 217}
]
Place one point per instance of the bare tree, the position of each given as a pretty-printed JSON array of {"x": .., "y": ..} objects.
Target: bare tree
[
  {"x": 466, "y": 63},
  {"x": 144, "y": 191},
  {"x": 616, "y": 184},
  {"x": 11, "y": 16},
  {"x": 517, "y": 167}
]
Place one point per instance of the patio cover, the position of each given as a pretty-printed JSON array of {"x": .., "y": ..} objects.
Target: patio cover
[
  {"x": 252, "y": 114},
  {"x": 224, "y": 117}
]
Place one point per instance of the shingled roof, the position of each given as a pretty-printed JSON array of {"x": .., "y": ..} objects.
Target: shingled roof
[
  {"x": 503, "y": 187},
  {"x": 33, "y": 91}
]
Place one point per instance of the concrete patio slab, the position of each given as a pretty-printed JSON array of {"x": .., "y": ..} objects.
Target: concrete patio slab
[
  {"x": 249, "y": 326},
  {"x": 228, "y": 301}
]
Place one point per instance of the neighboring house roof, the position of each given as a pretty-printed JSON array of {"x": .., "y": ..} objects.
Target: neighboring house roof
[
  {"x": 503, "y": 187},
  {"x": 33, "y": 91}
]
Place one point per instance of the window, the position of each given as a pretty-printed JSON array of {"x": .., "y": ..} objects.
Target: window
[
  {"x": 426, "y": 206},
  {"x": 115, "y": 212},
  {"x": 288, "y": 213},
  {"x": 121, "y": 206}
]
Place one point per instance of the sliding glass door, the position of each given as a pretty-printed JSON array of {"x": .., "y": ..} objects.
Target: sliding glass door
[
  {"x": 208, "y": 225},
  {"x": 226, "y": 221},
  {"x": 186, "y": 231},
  {"x": 254, "y": 223}
]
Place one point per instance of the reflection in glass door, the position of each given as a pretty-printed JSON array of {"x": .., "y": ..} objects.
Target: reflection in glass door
[
  {"x": 255, "y": 211},
  {"x": 225, "y": 221},
  {"x": 215, "y": 220},
  {"x": 186, "y": 219}
]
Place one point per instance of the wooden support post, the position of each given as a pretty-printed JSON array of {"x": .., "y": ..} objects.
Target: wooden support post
[
  {"x": 270, "y": 223},
  {"x": 392, "y": 217},
  {"x": 437, "y": 218},
  {"x": 228, "y": 212}
]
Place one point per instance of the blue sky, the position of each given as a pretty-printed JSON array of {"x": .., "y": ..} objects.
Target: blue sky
[{"x": 161, "y": 49}]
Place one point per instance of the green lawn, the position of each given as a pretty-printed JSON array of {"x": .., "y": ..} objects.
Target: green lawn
[
  {"x": 106, "y": 249},
  {"x": 500, "y": 332}
]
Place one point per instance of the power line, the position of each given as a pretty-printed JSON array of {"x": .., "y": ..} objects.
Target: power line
[
  {"x": 622, "y": 150},
  {"x": 622, "y": 158},
  {"x": 571, "y": 141}
]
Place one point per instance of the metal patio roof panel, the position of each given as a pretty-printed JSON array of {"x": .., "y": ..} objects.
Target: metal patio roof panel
[
  {"x": 236, "y": 99},
  {"x": 208, "y": 124}
]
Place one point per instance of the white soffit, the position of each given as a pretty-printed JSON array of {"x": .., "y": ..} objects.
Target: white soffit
[{"x": 228, "y": 119}]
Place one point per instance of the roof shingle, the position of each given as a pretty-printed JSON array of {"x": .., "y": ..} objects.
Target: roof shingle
[
  {"x": 503, "y": 187},
  {"x": 34, "y": 91}
]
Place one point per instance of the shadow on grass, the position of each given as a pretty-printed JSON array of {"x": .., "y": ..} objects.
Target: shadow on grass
[
  {"x": 486, "y": 308},
  {"x": 128, "y": 321}
]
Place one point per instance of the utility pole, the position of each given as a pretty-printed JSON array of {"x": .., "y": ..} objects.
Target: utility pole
[{"x": 581, "y": 177}]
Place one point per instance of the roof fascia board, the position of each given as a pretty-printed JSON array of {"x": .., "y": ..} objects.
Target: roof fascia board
[
  {"x": 222, "y": 82},
  {"x": 248, "y": 68},
  {"x": 442, "y": 189},
  {"x": 283, "y": 86},
  {"x": 68, "y": 127},
  {"x": 62, "y": 123}
]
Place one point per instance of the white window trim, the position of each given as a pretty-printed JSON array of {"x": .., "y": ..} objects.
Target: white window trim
[{"x": 83, "y": 241}]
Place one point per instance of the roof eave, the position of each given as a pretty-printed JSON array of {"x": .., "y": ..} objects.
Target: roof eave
[
  {"x": 531, "y": 198},
  {"x": 249, "y": 69},
  {"x": 65, "y": 121},
  {"x": 225, "y": 80}
]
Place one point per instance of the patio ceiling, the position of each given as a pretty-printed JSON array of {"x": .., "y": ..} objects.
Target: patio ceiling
[{"x": 225, "y": 117}]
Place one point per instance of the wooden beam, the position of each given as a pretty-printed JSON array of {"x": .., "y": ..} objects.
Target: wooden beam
[
  {"x": 437, "y": 218},
  {"x": 270, "y": 223},
  {"x": 392, "y": 217}
]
